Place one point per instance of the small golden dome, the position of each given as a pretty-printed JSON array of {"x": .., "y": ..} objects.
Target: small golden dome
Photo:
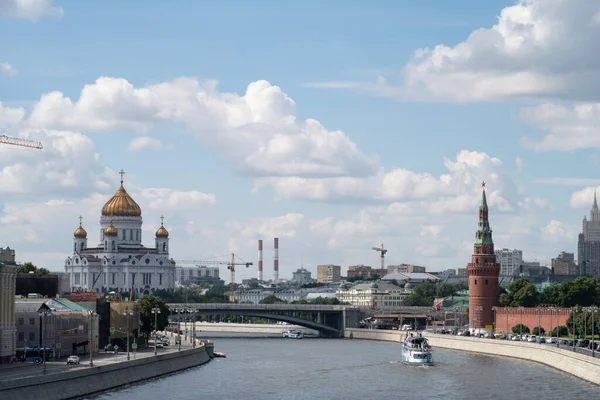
[
  {"x": 80, "y": 233},
  {"x": 162, "y": 232},
  {"x": 121, "y": 204},
  {"x": 110, "y": 230}
]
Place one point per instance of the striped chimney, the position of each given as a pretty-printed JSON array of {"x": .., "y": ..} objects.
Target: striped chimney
[
  {"x": 260, "y": 261},
  {"x": 276, "y": 261}
]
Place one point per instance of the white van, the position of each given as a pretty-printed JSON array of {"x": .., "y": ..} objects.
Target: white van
[{"x": 406, "y": 328}]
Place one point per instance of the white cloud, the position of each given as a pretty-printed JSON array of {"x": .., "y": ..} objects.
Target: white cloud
[
  {"x": 169, "y": 199},
  {"x": 520, "y": 164},
  {"x": 567, "y": 128},
  {"x": 261, "y": 131},
  {"x": 455, "y": 191},
  {"x": 32, "y": 10},
  {"x": 556, "y": 231},
  {"x": 7, "y": 69},
  {"x": 10, "y": 116},
  {"x": 538, "y": 48},
  {"x": 568, "y": 181},
  {"x": 284, "y": 226},
  {"x": 584, "y": 198},
  {"x": 144, "y": 142}
]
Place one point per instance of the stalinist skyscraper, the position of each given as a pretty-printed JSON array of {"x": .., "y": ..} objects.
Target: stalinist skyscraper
[{"x": 588, "y": 245}]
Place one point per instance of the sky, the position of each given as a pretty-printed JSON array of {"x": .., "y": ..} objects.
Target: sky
[{"x": 336, "y": 126}]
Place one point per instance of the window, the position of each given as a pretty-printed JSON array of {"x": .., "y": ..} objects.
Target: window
[
  {"x": 74, "y": 246},
  {"x": 164, "y": 246},
  {"x": 113, "y": 245},
  {"x": 81, "y": 246},
  {"x": 106, "y": 245},
  {"x": 77, "y": 278},
  {"x": 21, "y": 321},
  {"x": 32, "y": 336},
  {"x": 114, "y": 277},
  {"x": 124, "y": 234},
  {"x": 486, "y": 281},
  {"x": 137, "y": 234},
  {"x": 131, "y": 234},
  {"x": 147, "y": 278},
  {"x": 31, "y": 321},
  {"x": 21, "y": 336},
  {"x": 160, "y": 279},
  {"x": 476, "y": 281},
  {"x": 85, "y": 278}
]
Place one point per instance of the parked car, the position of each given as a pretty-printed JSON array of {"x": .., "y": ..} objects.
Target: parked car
[{"x": 73, "y": 360}]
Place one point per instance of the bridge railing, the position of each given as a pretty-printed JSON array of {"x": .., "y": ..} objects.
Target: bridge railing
[{"x": 266, "y": 307}]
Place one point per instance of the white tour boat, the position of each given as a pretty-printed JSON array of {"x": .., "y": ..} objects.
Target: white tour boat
[
  {"x": 416, "y": 351},
  {"x": 293, "y": 334}
]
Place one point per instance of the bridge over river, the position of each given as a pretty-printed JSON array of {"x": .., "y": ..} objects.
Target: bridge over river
[{"x": 329, "y": 320}]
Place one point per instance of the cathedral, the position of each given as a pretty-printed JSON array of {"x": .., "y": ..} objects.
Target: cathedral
[{"x": 120, "y": 262}]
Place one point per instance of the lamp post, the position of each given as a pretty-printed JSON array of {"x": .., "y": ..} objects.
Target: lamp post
[
  {"x": 193, "y": 328},
  {"x": 44, "y": 314},
  {"x": 521, "y": 324},
  {"x": 155, "y": 311},
  {"x": 494, "y": 308},
  {"x": 506, "y": 310},
  {"x": 539, "y": 310},
  {"x": 585, "y": 310},
  {"x": 551, "y": 309},
  {"x": 179, "y": 328},
  {"x": 558, "y": 310},
  {"x": 91, "y": 329},
  {"x": 128, "y": 313},
  {"x": 593, "y": 309}
]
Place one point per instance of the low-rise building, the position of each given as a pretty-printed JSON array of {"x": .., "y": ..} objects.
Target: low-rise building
[
  {"x": 302, "y": 276},
  {"x": 564, "y": 264},
  {"x": 406, "y": 268},
  {"x": 413, "y": 278},
  {"x": 7, "y": 305},
  {"x": 254, "y": 296},
  {"x": 375, "y": 295}
]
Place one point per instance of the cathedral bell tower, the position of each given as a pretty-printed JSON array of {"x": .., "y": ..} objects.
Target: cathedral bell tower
[
  {"x": 79, "y": 238},
  {"x": 483, "y": 273},
  {"x": 162, "y": 238}
]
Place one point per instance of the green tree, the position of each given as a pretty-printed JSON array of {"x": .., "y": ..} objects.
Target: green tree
[
  {"x": 520, "y": 328},
  {"x": 272, "y": 299},
  {"x": 538, "y": 331},
  {"x": 28, "y": 267},
  {"x": 522, "y": 293},
  {"x": 147, "y": 303},
  {"x": 560, "y": 331}
]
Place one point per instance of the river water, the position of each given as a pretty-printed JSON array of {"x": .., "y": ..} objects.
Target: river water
[{"x": 288, "y": 369}]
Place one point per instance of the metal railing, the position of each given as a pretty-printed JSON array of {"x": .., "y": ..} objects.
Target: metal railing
[{"x": 266, "y": 307}]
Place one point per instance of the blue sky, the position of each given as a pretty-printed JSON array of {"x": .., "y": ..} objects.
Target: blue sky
[{"x": 352, "y": 66}]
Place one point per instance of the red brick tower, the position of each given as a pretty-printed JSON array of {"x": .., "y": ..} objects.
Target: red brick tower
[{"x": 483, "y": 273}]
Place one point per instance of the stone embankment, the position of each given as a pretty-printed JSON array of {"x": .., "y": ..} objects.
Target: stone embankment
[
  {"x": 579, "y": 365},
  {"x": 85, "y": 381}
]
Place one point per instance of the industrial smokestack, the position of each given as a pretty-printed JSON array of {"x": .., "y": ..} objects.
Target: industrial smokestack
[
  {"x": 276, "y": 261},
  {"x": 260, "y": 261}
]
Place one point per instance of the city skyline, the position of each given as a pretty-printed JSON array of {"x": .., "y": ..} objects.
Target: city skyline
[{"x": 334, "y": 128}]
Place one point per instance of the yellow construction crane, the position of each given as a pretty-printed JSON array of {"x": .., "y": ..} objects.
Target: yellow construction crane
[
  {"x": 230, "y": 266},
  {"x": 382, "y": 250},
  {"x": 20, "y": 142}
]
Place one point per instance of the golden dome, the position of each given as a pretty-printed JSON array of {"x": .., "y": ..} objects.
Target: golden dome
[
  {"x": 110, "y": 230},
  {"x": 80, "y": 233},
  {"x": 121, "y": 204},
  {"x": 162, "y": 232}
]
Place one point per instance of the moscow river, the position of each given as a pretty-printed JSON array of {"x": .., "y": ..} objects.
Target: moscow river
[{"x": 290, "y": 369}]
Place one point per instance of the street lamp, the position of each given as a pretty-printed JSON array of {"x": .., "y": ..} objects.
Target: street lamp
[
  {"x": 92, "y": 313},
  {"x": 44, "y": 314},
  {"x": 521, "y": 324},
  {"x": 179, "y": 311},
  {"x": 593, "y": 309},
  {"x": 539, "y": 310},
  {"x": 494, "y": 308},
  {"x": 506, "y": 310},
  {"x": 193, "y": 311},
  {"x": 573, "y": 319},
  {"x": 128, "y": 313},
  {"x": 155, "y": 311}
]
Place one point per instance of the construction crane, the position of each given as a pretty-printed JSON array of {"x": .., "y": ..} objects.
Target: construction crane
[
  {"x": 382, "y": 250},
  {"x": 230, "y": 266},
  {"x": 20, "y": 142}
]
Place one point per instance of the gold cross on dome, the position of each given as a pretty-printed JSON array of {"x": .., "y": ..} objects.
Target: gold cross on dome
[
  {"x": 483, "y": 184},
  {"x": 161, "y": 220},
  {"x": 122, "y": 173},
  {"x": 80, "y": 219}
]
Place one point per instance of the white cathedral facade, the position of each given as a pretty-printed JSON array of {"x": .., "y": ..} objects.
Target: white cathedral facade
[{"x": 120, "y": 262}]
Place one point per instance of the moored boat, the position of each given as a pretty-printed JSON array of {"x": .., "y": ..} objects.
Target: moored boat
[
  {"x": 293, "y": 334},
  {"x": 416, "y": 350}
]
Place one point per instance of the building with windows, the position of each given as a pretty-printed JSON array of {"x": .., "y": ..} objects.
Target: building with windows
[
  {"x": 187, "y": 275},
  {"x": 374, "y": 295},
  {"x": 7, "y": 304},
  {"x": 510, "y": 261},
  {"x": 329, "y": 273},
  {"x": 588, "y": 244},
  {"x": 120, "y": 262},
  {"x": 564, "y": 264},
  {"x": 406, "y": 268},
  {"x": 302, "y": 276}
]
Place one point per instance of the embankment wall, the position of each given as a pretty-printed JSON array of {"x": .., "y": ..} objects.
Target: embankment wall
[
  {"x": 83, "y": 382},
  {"x": 273, "y": 329},
  {"x": 579, "y": 365}
]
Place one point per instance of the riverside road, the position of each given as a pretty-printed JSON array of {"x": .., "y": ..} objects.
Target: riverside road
[{"x": 30, "y": 370}]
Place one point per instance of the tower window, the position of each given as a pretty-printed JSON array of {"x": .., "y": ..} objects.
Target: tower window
[
  {"x": 113, "y": 245},
  {"x": 475, "y": 281},
  {"x": 486, "y": 281}
]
